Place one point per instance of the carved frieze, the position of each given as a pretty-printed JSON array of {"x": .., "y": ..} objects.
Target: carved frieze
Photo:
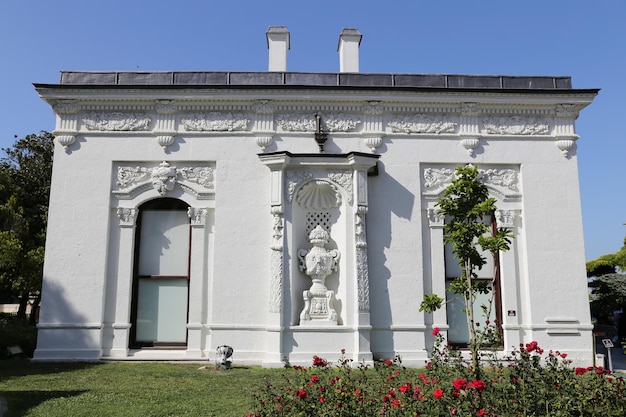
[
  {"x": 504, "y": 181},
  {"x": 215, "y": 121},
  {"x": 340, "y": 122},
  {"x": 163, "y": 178},
  {"x": 516, "y": 125},
  {"x": 437, "y": 177},
  {"x": 307, "y": 122},
  {"x": 502, "y": 177},
  {"x": 117, "y": 121},
  {"x": 422, "y": 123},
  {"x": 296, "y": 122},
  {"x": 200, "y": 175}
]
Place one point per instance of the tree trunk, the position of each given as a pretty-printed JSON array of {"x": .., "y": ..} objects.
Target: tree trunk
[
  {"x": 21, "y": 311},
  {"x": 34, "y": 311}
]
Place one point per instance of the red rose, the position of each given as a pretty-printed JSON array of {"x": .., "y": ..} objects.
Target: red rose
[
  {"x": 314, "y": 379},
  {"x": 436, "y": 331},
  {"x": 438, "y": 393},
  {"x": 459, "y": 384},
  {"x": 478, "y": 385}
]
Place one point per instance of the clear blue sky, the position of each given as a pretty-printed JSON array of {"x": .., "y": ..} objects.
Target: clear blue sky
[{"x": 585, "y": 39}]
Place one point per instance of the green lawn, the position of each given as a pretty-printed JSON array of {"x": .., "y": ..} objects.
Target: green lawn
[{"x": 127, "y": 389}]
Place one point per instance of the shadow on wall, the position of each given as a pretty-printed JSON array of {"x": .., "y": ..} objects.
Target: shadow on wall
[
  {"x": 63, "y": 332},
  {"x": 387, "y": 197}
]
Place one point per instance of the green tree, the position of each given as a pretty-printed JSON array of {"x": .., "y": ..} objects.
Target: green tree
[
  {"x": 465, "y": 204},
  {"x": 25, "y": 173},
  {"x": 608, "y": 284}
]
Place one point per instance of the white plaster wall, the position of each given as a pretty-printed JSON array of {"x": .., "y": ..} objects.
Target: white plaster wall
[{"x": 544, "y": 276}]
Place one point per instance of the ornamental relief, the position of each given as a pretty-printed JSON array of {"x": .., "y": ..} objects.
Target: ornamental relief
[
  {"x": 502, "y": 181},
  {"x": 319, "y": 192},
  {"x": 215, "y": 122},
  {"x": 117, "y": 121},
  {"x": 164, "y": 178},
  {"x": 516, "y": 125},
  {"x": 422, "y": 123},
  {"x": 307, "y": 123}
]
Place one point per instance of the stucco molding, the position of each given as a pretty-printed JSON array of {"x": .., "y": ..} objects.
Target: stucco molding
[
  {"x": 117, "y": 121},
  {"x": 422, "y": 123},
  {"x": 163, "y": 178},
  {"x": 502, "y": 181},
  {"x": 215, "y": 122},
  {"x": 516, "y": 125},
  {"x": 296, "y": 180}
]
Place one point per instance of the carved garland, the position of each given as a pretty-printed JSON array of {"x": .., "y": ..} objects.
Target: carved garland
[
  {"x": 421, "y": 123},
  {"x": 516, "y": 125},
  {"x": 117, "y": 121},
  {"x": 215, "y": 121},
  {"x": 307, "y": 123}
]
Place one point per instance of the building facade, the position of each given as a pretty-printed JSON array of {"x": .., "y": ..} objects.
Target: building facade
[{"x": 294, "y": 214}]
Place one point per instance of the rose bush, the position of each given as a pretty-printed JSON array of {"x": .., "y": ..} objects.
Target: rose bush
[{"x": 531, "y": 382}]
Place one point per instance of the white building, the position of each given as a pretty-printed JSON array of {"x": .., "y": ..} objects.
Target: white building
[{"x": 182, "y": 204}]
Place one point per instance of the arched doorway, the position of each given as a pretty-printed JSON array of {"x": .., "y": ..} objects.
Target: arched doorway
[{"x": 161, "y": 275}]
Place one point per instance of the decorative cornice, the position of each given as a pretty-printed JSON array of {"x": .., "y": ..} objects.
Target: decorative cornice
[
  {"x": 165, "y": 107},
  {"x": 65, "y": 107},
  {"x": 116, "y": 121}
]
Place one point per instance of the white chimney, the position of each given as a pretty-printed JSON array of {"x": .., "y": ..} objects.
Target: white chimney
[
  {"x": 278, "y": 44},
  {"x": 348, "y": 49}
]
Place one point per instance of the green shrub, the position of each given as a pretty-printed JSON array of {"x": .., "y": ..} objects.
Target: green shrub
[{"x": 15, "y": 331}]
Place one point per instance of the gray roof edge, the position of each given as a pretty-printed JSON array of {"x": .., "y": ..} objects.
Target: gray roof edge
[{"x": 312, "y": 79}]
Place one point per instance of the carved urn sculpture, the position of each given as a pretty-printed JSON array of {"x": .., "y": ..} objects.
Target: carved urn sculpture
[{"x": 318, "y": 263}]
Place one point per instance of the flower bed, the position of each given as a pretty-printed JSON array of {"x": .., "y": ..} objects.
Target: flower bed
[{"x": 531, "y": 382}]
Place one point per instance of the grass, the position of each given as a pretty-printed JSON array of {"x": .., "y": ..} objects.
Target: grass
[{"x": 128, "y": 389}]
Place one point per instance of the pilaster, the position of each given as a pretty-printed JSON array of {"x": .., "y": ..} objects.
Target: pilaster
[
  {"x": 197, "y": 283},
  {"x": 121, "y": 327}
]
